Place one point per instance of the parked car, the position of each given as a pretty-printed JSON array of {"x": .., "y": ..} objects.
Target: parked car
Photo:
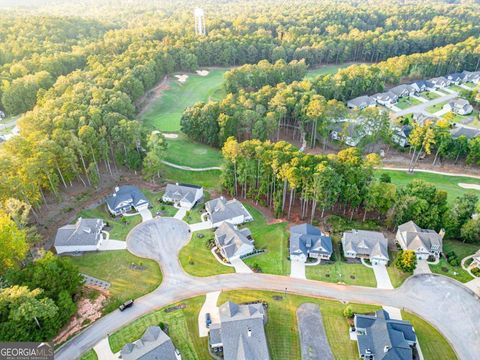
[
  {"x": 126, "y": 305},
  {"x": 208, "y": 319}
]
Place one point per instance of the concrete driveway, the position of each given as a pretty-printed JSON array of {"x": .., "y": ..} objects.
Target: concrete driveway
[
  {"x": 180, "y": 214},
  {"x": 204, "y": 225},
  {"x": 209, "y": 306},
  {"x": 112, "y": 245},
  {"x": 422, "y": 268},
  {"x": 297, "y": 269},
  {"x": 240, "y": 266},
  {"x": 313, "y": 339},
  {"x": 381, "y": 275},
  {"x": 146, "y": 214}
]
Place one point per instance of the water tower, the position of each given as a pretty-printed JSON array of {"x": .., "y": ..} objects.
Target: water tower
[{"x": 199, "y": 21}]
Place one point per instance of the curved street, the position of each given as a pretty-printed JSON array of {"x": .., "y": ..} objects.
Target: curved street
[{"x": 446, "y": 304}]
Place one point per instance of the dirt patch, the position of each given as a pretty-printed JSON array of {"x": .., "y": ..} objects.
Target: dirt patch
[{"x": 144, "y": 102}]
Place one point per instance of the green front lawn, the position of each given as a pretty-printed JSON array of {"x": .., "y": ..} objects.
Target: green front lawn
[
  {"x": 208, "y": 179},
  {"x": 186, "y": 152},
  {"x": 89, "y": 355},
  {"x": 456, "y": 272},
  {"x": 282, "y": 330},
  {"x": 116, "y": 268},
  {"x": 157, "y": 206},
  {"x": 182, "y": 329},
  {"x": 442, "y": 182},
  {"x": 457, "y": 88},
  {"x": 406, "y": 102},
  {"x": 429, "y": 95},
  {"x": 437, "y": 107},
  {"x": 120, "y": 226},
  {"x": 397, "y": 276},
  {"x": 166, "y": 111},
  {"x": 271, "y": 237},
  {"x": 432, "y": 343},
  {"x": 342, "y": 272},
  {"x": 197, "y": 259}
]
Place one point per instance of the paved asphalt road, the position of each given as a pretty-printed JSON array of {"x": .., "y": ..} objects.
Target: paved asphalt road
[{"x": 446, "y": 304}]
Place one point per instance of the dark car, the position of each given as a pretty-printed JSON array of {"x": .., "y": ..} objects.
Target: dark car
[
  {"x": 126, "y": 305},
  {"x": 208, "y": 319}
]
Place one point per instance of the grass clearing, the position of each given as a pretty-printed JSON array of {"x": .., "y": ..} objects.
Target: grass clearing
[
  {"x": 432, "y": 109},
  {"x": 455, "y": 272},
  {"x": 119, "y": 226},
  {"x": 406, "y": 102},
  {"x": 115, "y": 267},
  {"x": 442, "y": 182},
  {"x": 208, "y": 179},
  {"x": 282, "y": 329},
  {"x": 432, "y": 343},
  {"x": 182, "y": 329},
  {"x": 429, "y": 95},
  {"x": 325, "y": 70},
  {"x": 271, "y": 237},
  {"x": 165, "y": 113},
  {"x": 186, "y": 152},
  {"x": 197, "y": 259}
]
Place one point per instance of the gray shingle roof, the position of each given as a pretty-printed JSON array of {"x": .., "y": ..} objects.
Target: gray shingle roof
[
  {"x": 242, "y": 332},
  {"x": 384, "y": 338},
  {"x": 308, "y": 239},
  {"x": 416, "y": 237},
  {"x": 83, "y": 232},
  {"x": 182, "y": 192},
  {"x": 221, "y": 210},
  {"x": 371, "y": 243},
  {"x": 402, "y": 89},
  {"x": 153, "y": 345},
  {"x": 386, "y": 96},
  {"x": 361, "y": 101},
  {"x": 125, "y": 197},
  {"x": 468, "y": 132},
  {"x": 230, "y": 239}
]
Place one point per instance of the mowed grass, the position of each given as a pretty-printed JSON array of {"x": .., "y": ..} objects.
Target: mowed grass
[
  {"x": 437, "y": 107},
  {"x": 165, "y": 113},
  {"x": 457, "y": 88},
  {"x": 115, "y": 267},
  {"x": 442, "y": 182},
  {"x": 325, "y": 70},
  {"x": 429, "y": 95},
  {"x": 182, "y": 329},
  {"x": 406, "y": 102},
  {"x": 119, "y": 227},
  {"x": 89, "y": 355},
  {"x": 186, "y": 152},
  {"x": 197, "y": 259},
  {"x": 432, "y": 343},
  {"x": 271, "y": 237},
  {"x": 282, "y": 330},
  {"x": 397, "y": 276},
  {"x": 164, "y": 210},
  {"x": 208, "y": 179},
  {"x": 456, "y": 272}
]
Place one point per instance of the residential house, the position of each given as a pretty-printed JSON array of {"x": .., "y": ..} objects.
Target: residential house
[
  {"x": 126, "y": 198},
  {"x": 370, "y": 245},
  {"x": 349, "y": 132},
  {"x": 422, "y": 85},
  {"x": 220, "y": 210},
  {"x": 401, "y": 135},
  {"x": 456, "y": 78},
  {"x": 403, "y": 90},
  {"x": 440, "y": 82},
  {"x": 84, "y": 235},
  {"x": 240, "y": 334},
  {"x": 382, "y": 338},
  {"x": 387, "y": 98},
  {"x": 459, "y": 106},
  {"x": 421, "y": 118},
  {"x": 232, "y": 242},
  {"x": 308, "y": 241},
  {"x": 473, "y": 77},
  {"x": 361, "y": 102},
  {"x": 424, "y": 242},
  {"x": 183, "y": 195},
  {"x": 468, "y": 132},
  {"x": 153, "y": 345}
]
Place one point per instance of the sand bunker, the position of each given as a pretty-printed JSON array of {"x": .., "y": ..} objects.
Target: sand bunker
[
  {"x": 469, "y": 186},
  {"x": 171, "y": 136},
  {"x": 203, "y": 72},
  {"x": 182, "y": 78}
]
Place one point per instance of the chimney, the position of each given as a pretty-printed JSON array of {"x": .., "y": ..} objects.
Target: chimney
[
  {"x": 442, "y": 233},
  {"x": 249, "y": 333},
  {"x": 386, "y": 348}
]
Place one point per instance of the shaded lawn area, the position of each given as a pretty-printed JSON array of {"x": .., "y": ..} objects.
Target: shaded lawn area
[
  {"x": 89, "y": 355},
  {"x": 186, "y": 152},
  {"x": 455, "y": 272},
  {"x": 282, "y": 330},
  {"x": 196, "y": 258},
  {"x": 274, "y": 239},
  {"x": 442, "y": 182},
  {"x": 325, "y": 70},
  {"x": 115, "y": 267},
  {"x": 120, "y": 226},
  {"x": 457, "y": 88},
  {"x": 429, "y": 95},
  {"x": 182, "y": 329},
  {"x": 437, "y": 107},
  {"x": 407, "y": 102},
  {"x": 397, "y": 276},
  {"x": 432, "y": 343},
  {"x": 166, "y": 111},
  {"x": 157, "y": 206},
  {"x": 208, "y": 179}
]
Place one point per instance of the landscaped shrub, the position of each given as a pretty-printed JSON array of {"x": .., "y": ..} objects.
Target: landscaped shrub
[
  {"x": 406, "y": 261},
  {"x": 476, "y": 271},
  {"x": 348, "y": 312}
]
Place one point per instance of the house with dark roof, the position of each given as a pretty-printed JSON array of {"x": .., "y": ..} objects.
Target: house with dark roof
[
  {"x": 348, "y": 132},
  {"x": 421, "y": 118},
  {"x": 240, "y": 334},
  {"x": 459, "y": 106},
  {"x": 456, "y": 78},
  {"x": 468, "y": 132},
  {"x": 400, "y": 135},
  {"x": 381, "y": 338},
  {"x": 361, "y": 102},
  {"x": 308, "y": 241},
  {"x": 386, "y": 98},
  {"x": 183, "y": 195},
  {"x": 403, "y": 90},
  {"x": 370, "y": 245},
  {"x": 153, "y": 345},
  {"x": 84, "y": 235},
  {"x": 232, "y": 211},
  {"x": 471, "y": 76},
  {"x": 422, "y": 85},
  {"x": 424, "y": 242},
  {"x": 232, "y": 242},
  {"x": 125, "y": 198},
  {"x": 440, "y": 82}
]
